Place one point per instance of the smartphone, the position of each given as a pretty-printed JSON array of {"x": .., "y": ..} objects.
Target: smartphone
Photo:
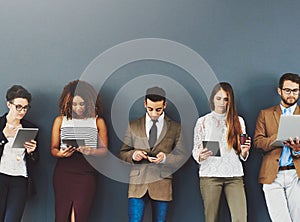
[{"x": 151, "y": 156}]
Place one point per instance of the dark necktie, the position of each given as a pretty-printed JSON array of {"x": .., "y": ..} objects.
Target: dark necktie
[{"x": 153, "y": 134}]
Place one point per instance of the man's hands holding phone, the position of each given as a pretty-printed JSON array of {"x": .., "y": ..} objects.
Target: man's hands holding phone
[{"x": 139, "y": 155}]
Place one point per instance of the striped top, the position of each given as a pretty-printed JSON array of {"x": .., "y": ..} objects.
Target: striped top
[{"x": 85, "y": 129}]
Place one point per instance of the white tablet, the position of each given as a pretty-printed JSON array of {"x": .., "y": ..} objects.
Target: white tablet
[{"x": 24, "y": 135}]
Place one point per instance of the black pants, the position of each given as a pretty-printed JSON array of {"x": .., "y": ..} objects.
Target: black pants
[{"x": 13, "y": 194}]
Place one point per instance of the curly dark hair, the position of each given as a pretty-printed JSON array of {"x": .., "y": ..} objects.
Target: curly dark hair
[{"x": 87, "y": 92}]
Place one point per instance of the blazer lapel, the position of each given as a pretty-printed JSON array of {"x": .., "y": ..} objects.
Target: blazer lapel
[
  {"x": 142, "y": 131},
  {"x": 277, "y": 114},
  {"x": 297, "y": 110}
]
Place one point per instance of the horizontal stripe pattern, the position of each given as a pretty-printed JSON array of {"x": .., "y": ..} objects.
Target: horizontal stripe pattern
[{"x": 85, "y": 129}]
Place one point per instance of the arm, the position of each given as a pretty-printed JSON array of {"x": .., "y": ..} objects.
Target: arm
[
  {"x": 103, "y": 141},
  {"x": 127, "y": 149},
  {"x": 32, "y": 152},
  {"x": 199, "y": 153},
  {"x": 128, "y": 152},
  {"x": 261, "y": 138},
  {"x": 55, "y": 141}
]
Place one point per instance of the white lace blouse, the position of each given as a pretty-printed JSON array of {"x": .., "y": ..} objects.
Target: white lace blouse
[{"x": 213, "y": 127}]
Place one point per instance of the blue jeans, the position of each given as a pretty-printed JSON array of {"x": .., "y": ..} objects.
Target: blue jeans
[
  {"x": 13, "y": 194},
  {"x": 136, "y": 207}
]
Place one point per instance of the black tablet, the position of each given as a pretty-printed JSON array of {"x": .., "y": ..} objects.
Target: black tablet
[
  {"x": 73, "y": 142},
  {"x": 213, "y": 146},
  {"x": 24, "y": 135}
]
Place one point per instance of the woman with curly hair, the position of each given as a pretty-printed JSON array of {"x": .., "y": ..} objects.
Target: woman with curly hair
[{"x": 74, "y": 178}]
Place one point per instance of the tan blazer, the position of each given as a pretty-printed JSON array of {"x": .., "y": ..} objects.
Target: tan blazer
[
  {"x": 145, "y": 176},
  {"x": 265, "y": 133}
]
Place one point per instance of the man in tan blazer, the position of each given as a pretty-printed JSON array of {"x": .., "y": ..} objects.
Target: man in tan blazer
[
  {"x": 280, "y": 168},
  {"x": 153, "y": 145}
]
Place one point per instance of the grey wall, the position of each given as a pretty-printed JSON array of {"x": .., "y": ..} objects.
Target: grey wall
[{"x": 45, "y": 44}]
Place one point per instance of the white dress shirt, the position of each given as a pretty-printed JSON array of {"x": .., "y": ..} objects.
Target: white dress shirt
[{"x": 159, "y": 124}]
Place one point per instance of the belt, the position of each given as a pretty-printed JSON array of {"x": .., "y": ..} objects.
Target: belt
[{"x": 286, "y": 167}]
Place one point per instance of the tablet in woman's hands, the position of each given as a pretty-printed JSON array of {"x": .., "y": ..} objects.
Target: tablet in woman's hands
[
  {"x": 73, "y": 142},
  {"x": 24, "y": 135},
  {"x": 212, "y": 146}
]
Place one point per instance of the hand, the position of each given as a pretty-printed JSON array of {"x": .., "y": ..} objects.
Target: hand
[
  {"x": 30, "y": 146},
  {"x": 139, "y": 155},
  {"x": 158, "y": 159},
  {"x": 204, "y": 154},
  {"x": 293, "y": 144},
  {"x": 86, "y": 150},
  {"x": 66, "y": 152},
  {"x": 246, "y": 147}
]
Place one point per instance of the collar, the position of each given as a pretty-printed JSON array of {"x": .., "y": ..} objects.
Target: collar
[
  {"x": 291, "y": 108},
  {"x": 159, "y": 120}
]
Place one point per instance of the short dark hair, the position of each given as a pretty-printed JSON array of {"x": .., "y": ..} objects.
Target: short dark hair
[
  {"x": 155, "y": 94},
  {"x": 288, "y": 76},
  {"x": 17, "y": 91}
]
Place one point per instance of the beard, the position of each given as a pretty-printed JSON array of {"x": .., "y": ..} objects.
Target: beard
[{"x": 286, "y": 100}]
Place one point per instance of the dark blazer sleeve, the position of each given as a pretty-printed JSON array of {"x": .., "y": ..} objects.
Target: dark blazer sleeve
[{"x": 3, "y": 139}]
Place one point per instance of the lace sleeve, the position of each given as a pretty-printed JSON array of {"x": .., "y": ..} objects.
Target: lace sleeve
[{"x": 198, "y": 135}]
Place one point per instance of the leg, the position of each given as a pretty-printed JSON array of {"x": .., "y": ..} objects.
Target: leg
[
  {"x": 211, "y": 189},
  {"x": 3, "y": 195},
  {"x": 136, "y": 207},
  {"x": 16, "y": 199},
  {"x": 276, "y": 199},
  {"x": 73, "y": 215},
  {"x": 293, "y": 194},
  {"x": 236, "y": 199},
  {"x": 159, "y": 210}
]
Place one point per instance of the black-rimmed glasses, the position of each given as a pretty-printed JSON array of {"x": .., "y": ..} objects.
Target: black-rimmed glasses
[
  {"x": 19, "y": 107},
  {"x": 289, "y": 91}
]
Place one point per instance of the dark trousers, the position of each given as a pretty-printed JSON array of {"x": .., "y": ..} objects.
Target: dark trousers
[
  {"x": 136, "y": 207},
  {"x": 13, "y": 194}
]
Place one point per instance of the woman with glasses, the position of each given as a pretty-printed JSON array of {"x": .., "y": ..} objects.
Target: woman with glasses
[
  {"x": 74, "y": 178},
  {"x": 16, "y": 163},
  {"x": 224, "y": 172}
]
